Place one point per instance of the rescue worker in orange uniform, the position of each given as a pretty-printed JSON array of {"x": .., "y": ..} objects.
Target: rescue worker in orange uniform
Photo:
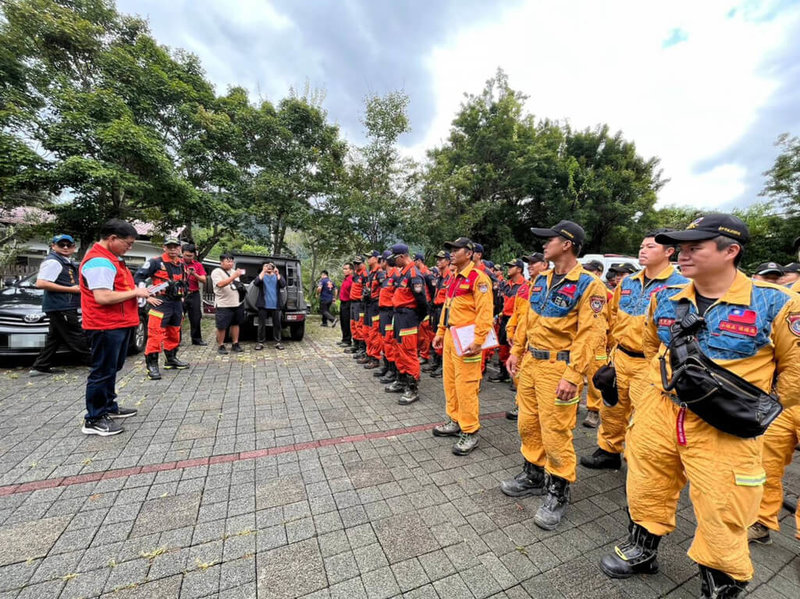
[
  {"x": 426, "y": 331},
  {"x": 468, "y": 302},
  {"x": 410, "y": 308},
  {"x": 749, "y": 328},
  {"x": 441, "y": 284},
  {"x": 536, "y": 264},
  {"x": 563, "y": 325},
  {"x": 387, "y": 373},
  {"x": 372, "y": 315},
  {"x": 359, "y": 348},
  {"x": 166, "y": 307},
  {"x": 513, "y": 291},
  {"x": 627, "y": 311}
]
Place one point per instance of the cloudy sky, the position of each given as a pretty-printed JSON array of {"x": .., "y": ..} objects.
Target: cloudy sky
[{"x": 705, "y": 85}]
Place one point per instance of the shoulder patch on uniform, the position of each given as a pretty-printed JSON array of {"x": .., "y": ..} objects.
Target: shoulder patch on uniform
[
  {"x": 793, "y": 320},
  {"x": 596, "y": 303},
  {"x": 483, "y": 287}
]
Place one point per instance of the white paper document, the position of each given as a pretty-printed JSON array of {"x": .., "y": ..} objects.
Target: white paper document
[{"x": 464, "y": 336}]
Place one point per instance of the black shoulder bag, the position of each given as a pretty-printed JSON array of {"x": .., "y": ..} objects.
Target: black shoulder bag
[{"x": 720, "y": 397}]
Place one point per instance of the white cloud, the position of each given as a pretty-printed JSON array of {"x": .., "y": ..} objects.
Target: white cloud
[{"x": 605, "y": 62}]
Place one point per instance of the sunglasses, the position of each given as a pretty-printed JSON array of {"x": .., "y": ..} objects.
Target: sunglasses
[{"x": 65, "y": 244}]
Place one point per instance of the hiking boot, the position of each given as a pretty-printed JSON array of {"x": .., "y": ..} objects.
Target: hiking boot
[
  {"x": 103, "y": 426},
  {"x": 500, "y": 377},
  {"x": 351, "y": 350},
  {"x": 528, "y": 482},
  {"x": 592, "y": 419},
  {"x": 123, "y": 413},
  {"x": 758, "y": 533},
  {"x": 450, "y": 428},
  {"x": 385, "y": 367},
  {"x": 364, "y": 360},
  {"x": 513, "y": 414},
  {"x": 637, "y": 555},
  {"x": 718, "y": 585},
  {"x": 173, "y": 362},
  {"x": 430, "y": 366},
  {"x": 437, "y": 372},
  {"x": 398, "y": 386},
  {"x": 151, "y": 362},
  {"x": 372, "y": 364},
  {"x": 343, "y": 344},
  {"x": 390, "y": 376},
  {"x": 465, "y": 444},
  {"x": 236, "y": 348},
  {"x": 790, "y": 502},
  {"x": 555, "y": 503},
  {"x": 412, "y": 392},
  {"x": 602, "y": 460}
]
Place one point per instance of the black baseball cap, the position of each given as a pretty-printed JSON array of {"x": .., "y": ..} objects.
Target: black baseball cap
[
  {"x": 534, "y": 258},
  {"x": 419, "y": 256},
  {"x": 792, "y": 267},
  {"x": 478, "y": 247},
  {"x": 626, "y": 267},
  {"x": 489, "y": 264},
  {"x": 566, "y": 228},
  {"x": 374, "y": 254},
  {"x": 398, "y": 249},
  {"x": 442, "y": 255},
  {"x": 769, "y": 268},
  {"x": 518, "y": 263},
  {"x": 593, "y": 266},
  {"x": 461, "y": 242},
  {"x": 358, "y": 260},
  {"x": 707, "y": 227}
]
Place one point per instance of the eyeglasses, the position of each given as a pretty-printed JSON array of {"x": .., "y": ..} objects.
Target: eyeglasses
[
  {"x": 65, "y": 244},
  {"x": 126, "y": 242}
]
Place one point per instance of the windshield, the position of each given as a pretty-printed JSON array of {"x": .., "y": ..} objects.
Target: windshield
[{"x": 28, "y": 284}]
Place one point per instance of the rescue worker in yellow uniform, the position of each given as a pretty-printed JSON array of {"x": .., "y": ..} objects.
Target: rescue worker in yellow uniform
[
  {"x": 627, "y": 311},
  {"x": 594, "y": 399},
  {"x": 565, "y": 322},
  {"x": 747, "y": 330},
  {"x": 791, "y": 275},
  {"x": 468, "y": 301}
]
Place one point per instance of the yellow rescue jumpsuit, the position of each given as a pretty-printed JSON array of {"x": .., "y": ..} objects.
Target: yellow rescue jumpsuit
[
  {"x": 754, "y": 331},
  {"x": 468, "y": 300},
  {"x": 563, "y": 322},
  {"x": 628, "y": 309},
  {"x": 594, "y": 399},
  {"x": 780, "y": 441}
]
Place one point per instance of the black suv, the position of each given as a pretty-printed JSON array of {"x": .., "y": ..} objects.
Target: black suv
[
  {"x": 23, "y": 325},
  {"x": 293, "y": 303}
]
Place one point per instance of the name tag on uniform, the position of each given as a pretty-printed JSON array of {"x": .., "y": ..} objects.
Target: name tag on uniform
[
  {"x": 464, "y": 286},
  {"x": 741, "y": 329}
]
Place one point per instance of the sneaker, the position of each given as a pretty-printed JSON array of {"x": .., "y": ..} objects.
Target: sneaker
[
  {"x": 279, "y": 346},
  {"x": 450, "y": 428},
  {"x": 199, "y": 342},
  {"x": 259, "y": 346},
  {"x": 465, "y": 444},
  {"x": 236, "y": 348},
  {"x": 123, "y": 413},
  {"x": 758, "y": 533},
  {"x": 222, "y": 351},
  {"x": 44, "y": 371},
  {"x": 103, "y": 426},
  {"x": 592, "y": 420},
  {"x": 513, "y": 414}
]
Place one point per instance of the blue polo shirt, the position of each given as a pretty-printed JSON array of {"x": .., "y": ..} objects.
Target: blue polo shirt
[{"x": 270, "y": 292}]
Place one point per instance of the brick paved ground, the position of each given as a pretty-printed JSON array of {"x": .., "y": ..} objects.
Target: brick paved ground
[{"x": 284, "y": 474}]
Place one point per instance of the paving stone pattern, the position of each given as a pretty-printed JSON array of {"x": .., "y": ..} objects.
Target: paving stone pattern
[{"x": 336, "y": 513}]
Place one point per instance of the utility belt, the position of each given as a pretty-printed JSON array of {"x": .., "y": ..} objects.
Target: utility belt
[
  {"x": 630, "y": 352},
  {"x": 546, "y": 354},
  {"x": 720, "y": 397}
]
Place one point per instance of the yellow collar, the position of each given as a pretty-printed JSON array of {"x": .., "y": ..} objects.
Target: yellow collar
[{"x": 739, "y": 293}]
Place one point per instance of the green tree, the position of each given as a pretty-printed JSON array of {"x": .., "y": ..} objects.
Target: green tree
[{"x": 783, "y": 179}]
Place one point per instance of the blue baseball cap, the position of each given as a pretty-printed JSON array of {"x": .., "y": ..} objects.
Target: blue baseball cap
[
  {"x": 62, "y": 237},
  {"x": 488, "y": 264},
  {"x": 386, "y": 253},
  {"x": 375, "y": 254},
  {"x": 477, "y": 247},
  {"x": 419, "y": 256},
  {"x": 399, "y": 249}
]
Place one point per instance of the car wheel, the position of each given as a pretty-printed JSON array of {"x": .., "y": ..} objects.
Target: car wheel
[
  {"x": 298, "y": 330},
  {"x": 139, "y": 339}
]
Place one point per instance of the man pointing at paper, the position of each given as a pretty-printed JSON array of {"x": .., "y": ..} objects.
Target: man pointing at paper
[{"x": 468, "y": 302}]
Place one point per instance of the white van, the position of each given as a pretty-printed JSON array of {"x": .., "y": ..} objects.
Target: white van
[{"x": 609, "y": 259}]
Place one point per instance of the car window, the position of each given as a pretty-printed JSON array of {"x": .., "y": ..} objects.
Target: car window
[{"x": 28, "y": 284}]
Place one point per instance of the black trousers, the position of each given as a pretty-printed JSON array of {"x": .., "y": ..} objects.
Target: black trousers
[
  {"x": 344, "y": 321},
  {"x": 263, "y": 314},
  {"x": 325, "y": 310},
  {"x": 193, "y": 308},
  {"x": 65, "y": 328}
]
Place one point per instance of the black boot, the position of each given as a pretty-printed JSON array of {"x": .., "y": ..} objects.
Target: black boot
[
  {"x": 372, "y": 364},
  {"x": 398, "y": 386},
  {"x": 352, "y": 349},
  {"x": 412, "y": 391},
  {"x": 437, "y": 370},
  {"x": 555, "y": 503},
  {"x": 528, "y": 482},
  {"x": 390, "y": 376},
  {"x": 718, "y": 585},
  {"x": 431, "y": 365},
  {"x": 381, "y": 372},
  {"x": 151, "y": 361},
  {"x": 602, "y": 459},
  {"x": 502, "y": 376},
  {"x": 637, "y": 555},
  {"x": 172, "y": 360}
]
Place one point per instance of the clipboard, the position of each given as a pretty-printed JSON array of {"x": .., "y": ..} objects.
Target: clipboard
[{"x": 464, "y": 336}]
